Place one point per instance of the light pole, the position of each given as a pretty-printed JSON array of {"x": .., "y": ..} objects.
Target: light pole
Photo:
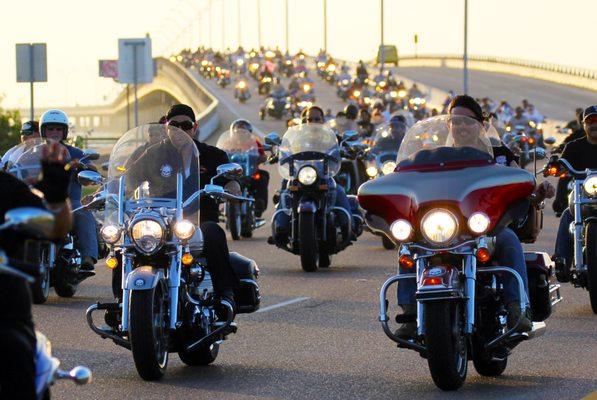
[
  {"x": 211, "y": 24},
  {"x": 239, "y": 22},
  {"x": 465, "y": 55},
  {"x": 286, "y": 22},
  {"x": 259, "y": 23},
  {"x": 382, "y": 54},
  {"x": 325, "y": 26},
  {"x": 223, "y": 25}
]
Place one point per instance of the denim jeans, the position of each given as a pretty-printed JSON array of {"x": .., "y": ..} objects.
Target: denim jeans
[
  {"x": 86, "y": 233},
  {"x": 564, "y": 239},
  {"x": 508, "y": 253}
]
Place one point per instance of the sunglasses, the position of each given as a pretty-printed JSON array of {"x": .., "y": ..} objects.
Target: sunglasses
[
  {"x": 463, "y": 121},
  {"x": 184, "y": 125}
]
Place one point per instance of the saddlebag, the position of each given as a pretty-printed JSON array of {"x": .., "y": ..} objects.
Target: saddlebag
[
  {"x": 544, "y": 290},
  {"x": 246, "y": 295}
]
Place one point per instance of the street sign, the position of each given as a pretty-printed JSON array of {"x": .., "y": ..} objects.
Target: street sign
[
  {"x": 135, "y": 64},
  {"x": 108, "y": 69},
  {"x": 31, "y": 62}
]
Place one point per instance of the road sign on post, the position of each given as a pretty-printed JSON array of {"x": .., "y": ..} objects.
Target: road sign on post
[
  {"x": 135, "y": 65},
  {"x": 108, "y": 69},
  {"x": 32, "y": 66}
]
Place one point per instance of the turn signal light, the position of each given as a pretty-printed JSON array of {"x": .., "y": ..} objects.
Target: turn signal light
[
  {"x": 187, "y": 259},
  {"x": 483, "y": 255},
  {"x": 257, "y": 176},
  {"x": 432, "y": 281},
  {"x": 111, "y": 262},
  {"x": 553, "y": 170},
  {"x": 406, "y": 261}
]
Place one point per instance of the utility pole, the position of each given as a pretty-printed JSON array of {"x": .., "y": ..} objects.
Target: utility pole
[
  {"x": 325, "y": 26},
  {"x": 382, "y": 47},
  {"x": 465, "y": 55},
  {"x": 223, "y": 25},
  {"x": 259, "y": 23},
  {"x": 211, "y": 24},
  {"x": 286, "y": 23},
  {"x": 239, "y": 28}
]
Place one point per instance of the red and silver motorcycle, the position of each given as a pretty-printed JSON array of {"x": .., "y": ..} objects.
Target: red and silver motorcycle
[{"x": 444, "y": 205}]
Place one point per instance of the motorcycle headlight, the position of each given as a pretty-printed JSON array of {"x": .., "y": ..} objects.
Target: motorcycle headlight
[
  {"x": 388, "y": 167},
  {"x": 439, "y": 226},
  {"x": 393, "y": 94},
  {"x": 184, "y": 229},
  {"x": 356, "y": 93},
  {"x": 590, "y": 185},
  {"x": 242, "y": 85},
  {"x": 371, "y": 172},
  {"x": 147, "y": 235},
  {"x": 478, "y": 222},
  {"x": 401, "y": 229},
  {"x": 307, "y": 175},
  {"x": 402, "y": 93},
  {"x": 110, "y": 234}
]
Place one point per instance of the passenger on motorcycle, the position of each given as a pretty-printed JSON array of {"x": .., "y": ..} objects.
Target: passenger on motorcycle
[
  {"x": 261, "y": 185},
  {"x": 53, "y": 126},
  {"x": 29, "y": 130},
  {"x": 581, "y": 154},
  {"x": 508, "y": 249},
  {"x": 17, "y": 333}
]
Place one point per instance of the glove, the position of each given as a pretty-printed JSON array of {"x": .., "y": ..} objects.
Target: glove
[
  {"x": 55, "y": 181},
  {"x": 558, "y": 206}
]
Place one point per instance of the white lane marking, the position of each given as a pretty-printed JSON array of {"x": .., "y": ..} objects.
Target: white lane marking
[{"x": 282, "y": 304}]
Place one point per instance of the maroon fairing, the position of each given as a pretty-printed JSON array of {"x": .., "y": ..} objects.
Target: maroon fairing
[{"x": 489, "y": 188}]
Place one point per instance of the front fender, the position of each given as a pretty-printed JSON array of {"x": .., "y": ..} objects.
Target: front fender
[
  {"x": 307, "y": 206},
  {"x": 143, "y": 278}
]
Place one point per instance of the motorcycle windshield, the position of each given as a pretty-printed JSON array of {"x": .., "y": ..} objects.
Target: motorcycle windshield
[
  {"x": 444, "y": 139},
  {"x": 388, "y": 138},
  {"x": 24, "y": 160},
  {"x": 242, "y": 148},
  {"x": 153, "y": 167},
  {"x": 313, "y": 144}
]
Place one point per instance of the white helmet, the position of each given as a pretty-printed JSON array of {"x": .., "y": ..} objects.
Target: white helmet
[{"x": 53, "y": 117}]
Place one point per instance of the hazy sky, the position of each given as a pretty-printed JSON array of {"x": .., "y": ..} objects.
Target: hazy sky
[{"x": 79, "y": 32}]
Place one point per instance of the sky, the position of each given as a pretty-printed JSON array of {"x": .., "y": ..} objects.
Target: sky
[{"x": 80, "y": 32}]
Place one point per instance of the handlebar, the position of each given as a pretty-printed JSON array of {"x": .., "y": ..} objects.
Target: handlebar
[{"x": 564, "y": 163}]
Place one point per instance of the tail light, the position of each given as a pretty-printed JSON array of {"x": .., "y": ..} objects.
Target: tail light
[
  {"x": 531, "y": 140},
  {"x": 523, "y": 139},
  {"x": 432, "y": 281},
  {"x": 256, "y": 176}
]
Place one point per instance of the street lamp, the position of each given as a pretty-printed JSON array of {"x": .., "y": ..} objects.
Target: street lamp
[
  {"x": 382, "y": 54},
  {"x": 465, "y": 55},
  {"x": 286, "y": 22},
  {"x": 325, "y": 26},
  {"x": 259, "y": 23},
  {"x": 239, "y": 22}
]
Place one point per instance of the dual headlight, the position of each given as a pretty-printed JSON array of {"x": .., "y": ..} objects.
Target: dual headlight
[
  {"x": 440, "y": 226},
  {"x": 590, "y": 185},
  {"x": 307, "y": 175}
]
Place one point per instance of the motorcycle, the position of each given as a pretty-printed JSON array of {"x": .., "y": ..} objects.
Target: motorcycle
[
  {"x": 444, "y": 206},
  {"x": 308, "y": 159},
  {"x": 277, "y": 106},
  {"x": 62, "y": 259},
  {"x": 380, "y": 160},
  {"x": 241, "y": 91},
  {"x": 38, "y": 223},
  {"x": 343, "y": 88},
  {"x": 165, "y": 301},
  {"x": 351, "y": 173},
  {"x": 242, "y": 148},
  {"x": 265, "y": 84},
  {"x": 582, "y": 270},
  {"x": 223, "y": 78}
]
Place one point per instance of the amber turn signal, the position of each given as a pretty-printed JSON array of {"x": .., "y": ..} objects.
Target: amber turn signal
[
  {"x": 111, "y": 262},
  {"x": 406, "y": 261},
  {"x": 483, "y": 255},
  {"x": 187, "y": 259}
]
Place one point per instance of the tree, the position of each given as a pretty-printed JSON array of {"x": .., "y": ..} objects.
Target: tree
[{"x": 10, "y": 128}]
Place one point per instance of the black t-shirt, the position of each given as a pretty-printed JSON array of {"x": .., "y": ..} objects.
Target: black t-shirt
[
  {"x": 581, "y": 154},
  {"x": 503, "y": 155},
  {"x": 15, "y": 299},
  {"x": 210, "y": 158}
]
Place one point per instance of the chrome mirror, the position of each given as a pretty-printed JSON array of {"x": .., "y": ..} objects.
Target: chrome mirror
[
  {"x": 31, "y": 220},
  {"x": 230, "y": 170},
  {"x": 89, "y": 178}
]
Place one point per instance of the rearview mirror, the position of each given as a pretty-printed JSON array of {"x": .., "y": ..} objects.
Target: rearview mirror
[
  {"x": 230, "y": 170},
  {"x": 89, "y": 154},
  {"x": 540, "y": 153},
  {"x": 550, "y": 140},
  {"x": 30, "y": 220},
  {"x": 349, "y": 135},
  {"x": 89, "y": 178},
  {"x": 273, "y": 139}
]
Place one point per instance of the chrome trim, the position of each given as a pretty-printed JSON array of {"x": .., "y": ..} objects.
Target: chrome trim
[
  {"x": 173, "y": 285},
  {"x": 348, "y": 215},
  {"x": 470, "y": 273},
  {"x": 127, "y": 267},
  {"x": 578, "y": 225}
]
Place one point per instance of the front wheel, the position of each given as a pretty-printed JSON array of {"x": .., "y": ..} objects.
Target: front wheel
[
  {"x": 65, "y": 275},
  {"x": 40, "y": 289},
  {"x": 203, "y": 355},
  {"x": 234, "y": 220},
  {"x": 147, "y": 331},
  {"x": 308, "y": 242},
  {"x": 591, "y": 262},
  {"x": 447, "y": 354}
]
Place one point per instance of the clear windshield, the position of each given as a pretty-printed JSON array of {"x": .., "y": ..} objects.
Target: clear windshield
[
  {"x": 314, "y": 140},
  {"x": 242, "y": 148},
  {"x": 153, "y": 167},
  {"x": 461, "y": 133},
  {"x": 24, "y": 160},
  {"x": 388, "y": 137}
]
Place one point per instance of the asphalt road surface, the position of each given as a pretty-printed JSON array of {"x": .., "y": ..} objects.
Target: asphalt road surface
[{"x": 317, "y": 335}]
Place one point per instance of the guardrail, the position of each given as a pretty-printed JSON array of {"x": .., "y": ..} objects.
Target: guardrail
[{"x": 566, "y": 75}]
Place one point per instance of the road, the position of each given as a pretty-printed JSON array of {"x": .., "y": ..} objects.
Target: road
[
  {"x": 553, "y": 100},
  {"x": 317, "y": 335}
]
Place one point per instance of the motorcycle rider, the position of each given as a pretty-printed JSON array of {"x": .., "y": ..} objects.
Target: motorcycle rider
[
  {"x": 533, "y": 114},
  {"x": 508, "y": 249},
  {"x": 519, "y": 118},
  {"x": 53, "y": 126},
  {"x": 362, "y": 73},
  {"x": 366, "y": 128},
  {"x": 578, "y": 131},
  {"x": 17, "y": 333},
  {"x": 581, "y": 154},
  {"x": 414, "y": 91},
  {"x": 29, "y": 130},
  {"x": 261, "y": 185}
]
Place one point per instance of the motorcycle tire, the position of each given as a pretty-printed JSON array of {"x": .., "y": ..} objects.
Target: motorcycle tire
[
  {"x": 203, "y": 355},
  {"x": 40, "y": 289},
  {"x": 591, "y": 262},
  {"x": 483, "y": 361},
  {"x": 234, "y": 221},
  {"x": 387, "y": 243},
  {"x": 149, "y": 344},
  {"x": 308, "y": 242},
  {"x": 447, "y": 354},
  {"x": 325, "y": 260},
  {"x": 248, "y": 222},
  {"x": 64, "y": 284}
]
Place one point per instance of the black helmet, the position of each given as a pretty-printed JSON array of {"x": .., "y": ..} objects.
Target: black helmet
[
  {"x": 241, "y": 124},
  {"x": 351, "y": 111},
  {"x": 29, "y": 128}
]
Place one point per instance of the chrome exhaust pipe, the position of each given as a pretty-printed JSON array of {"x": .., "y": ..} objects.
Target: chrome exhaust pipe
[{"x": 80, "y": 375}]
